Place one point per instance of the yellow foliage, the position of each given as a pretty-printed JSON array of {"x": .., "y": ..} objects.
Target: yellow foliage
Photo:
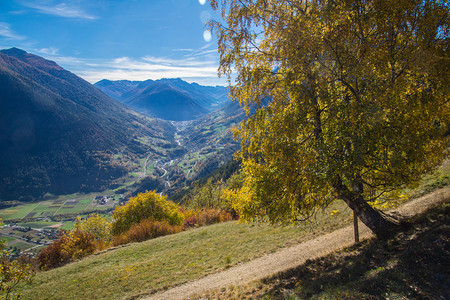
[
  {"x": 96, "y": 225},
  {"x": 334, "y": 212},
  {"x": 70, "y": 246},
  {"x": 12, "y": 273},
  {"x": 149, "y": 205},
  {"x": 351, "y": 99}
]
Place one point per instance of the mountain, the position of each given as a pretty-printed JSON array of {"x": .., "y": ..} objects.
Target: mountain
[
  {"x": 170, "y": 99},
  {"x": 166, "y": 102},
  {"x": 115, "y": 89},
  {"x": 213, "y": 129},
  {"x": 60, "y": 134}
]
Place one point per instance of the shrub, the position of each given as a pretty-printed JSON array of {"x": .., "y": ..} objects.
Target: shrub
[
  {"x": 12, "y": 273},
  {"x": 96, "y": 225},
  {"x": 145, "y": 230},
  {"x": 71, "y": 245},
  {"x": 147, "y": 205},
  {"x": 206, "y": 216}
]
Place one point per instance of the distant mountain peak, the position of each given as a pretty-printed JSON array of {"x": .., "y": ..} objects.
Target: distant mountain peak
[
  {"x": 31, "y": 59},
  {"x": 167, "y": 98},
  {"x": 171, "y": 79},
  {"x": 15, "y": 52}
]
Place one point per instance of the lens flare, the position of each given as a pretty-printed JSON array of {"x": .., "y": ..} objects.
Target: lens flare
[
  {"x": 205, "y": 16},
  {"x": 207, "y": 35}
]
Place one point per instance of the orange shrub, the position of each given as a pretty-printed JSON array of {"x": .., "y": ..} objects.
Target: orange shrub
[
  {"x": 145, "y": 230},
  {"x": 206, "y": 216},
  {"x": 71, "y": 245}
]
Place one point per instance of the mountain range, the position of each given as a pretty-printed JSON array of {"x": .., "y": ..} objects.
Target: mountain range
[
  {"x": 60, "y": 134},
  {"x": 168, "y": 99}
]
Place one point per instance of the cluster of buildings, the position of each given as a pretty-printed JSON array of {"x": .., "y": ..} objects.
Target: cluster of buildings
[{"x": 103, "y": 199}]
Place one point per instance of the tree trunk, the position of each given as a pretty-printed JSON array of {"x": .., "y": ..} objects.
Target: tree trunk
[
  {"x": 356, "y": 227},
  {"x": 371, "y": 217}
]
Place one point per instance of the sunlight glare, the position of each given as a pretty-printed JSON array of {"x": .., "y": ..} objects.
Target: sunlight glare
[
  {"x": 207, "y": 35},
  {"x": 202, "y": 2}
]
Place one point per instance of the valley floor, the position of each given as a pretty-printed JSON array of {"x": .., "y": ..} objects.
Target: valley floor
[{"x": 291, "y": 257}]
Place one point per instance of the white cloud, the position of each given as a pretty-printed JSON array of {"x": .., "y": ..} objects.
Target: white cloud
[
  {"x": 49, "y": 51},
  {"x": 188, "y": 61},
  {"x": 204, "y": 52},
  {"x": 197, "y": 65},
  {"x": 201, "y": 68},
  {"x": 184, "y": 50},
  {"x": 6, "y": 31},
  {"x": 121, "y": 60},
  {"x": 61, "y": 10}
]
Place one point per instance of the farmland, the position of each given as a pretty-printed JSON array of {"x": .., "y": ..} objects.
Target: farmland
[{"x": 31, "y": 226}]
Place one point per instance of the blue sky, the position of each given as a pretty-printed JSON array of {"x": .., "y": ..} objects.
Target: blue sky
[{"x": 116, "y": 39}]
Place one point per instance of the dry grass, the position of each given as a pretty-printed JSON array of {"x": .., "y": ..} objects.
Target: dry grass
[
  {"x": 412, "y": 265},
  {"x": 171, "y": 260},
  {"x": 161, "y": 263}
]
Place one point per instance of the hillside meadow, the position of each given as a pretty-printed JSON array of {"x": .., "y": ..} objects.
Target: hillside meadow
[
  {"x": 141, "y": 269},
  {"x": 407, "y": 266},
  {"x": 146, "y": 267}
]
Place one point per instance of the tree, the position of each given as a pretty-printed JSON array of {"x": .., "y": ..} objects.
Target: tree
[
  {"x": 70, "y": 246},
  {"x": 346, "y": 99},
  {"x": 96, "y": 225},
  {"x": 12, "y": 273},
  {"x": 149, "y": 205}
]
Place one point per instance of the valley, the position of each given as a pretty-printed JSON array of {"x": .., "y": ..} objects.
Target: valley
[
  {"x": 164, "y": 167},
  {"x": 66, "y": 142},
  {"x": 224, "y": 149}
]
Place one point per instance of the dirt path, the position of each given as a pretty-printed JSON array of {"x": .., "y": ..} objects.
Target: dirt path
[{"x": 288, "y": 258}]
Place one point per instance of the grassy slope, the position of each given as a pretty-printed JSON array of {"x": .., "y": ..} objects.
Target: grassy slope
[
  {"x": 413, "y": 265},
  {"x": 171, "y": 260}
]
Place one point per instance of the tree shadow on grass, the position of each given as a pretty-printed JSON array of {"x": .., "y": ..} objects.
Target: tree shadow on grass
[{"x": 412, "y": 265}]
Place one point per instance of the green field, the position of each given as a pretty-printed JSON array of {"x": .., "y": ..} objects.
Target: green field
[
  {"x": 18, "y": 212},
  {"x": 7, "y": 238},
  {"x": 37, "y": 225},
  {"x": 22, "y": 246},
  {"x": 68, "y": 225},
  {"x": 67, "y": 204},
  {"x": 38, "y": 216}
]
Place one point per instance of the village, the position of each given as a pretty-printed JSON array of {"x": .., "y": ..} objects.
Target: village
[{"x": 30, "y": 230}]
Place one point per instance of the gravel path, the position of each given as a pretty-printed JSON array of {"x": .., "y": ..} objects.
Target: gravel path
[{"x": 291, "y": 257}]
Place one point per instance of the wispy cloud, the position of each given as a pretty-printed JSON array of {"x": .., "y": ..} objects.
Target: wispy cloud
[
  {"x": 183, "y": 50},
  {"x": 48, "y": 51},
  {"x": 197, "y": 65},
  {"x": 148, "y": 68},
  {"x": 188, "y": 61},
  {"x": 6, "y": 31},
  {"x": 62, "y": 10}
]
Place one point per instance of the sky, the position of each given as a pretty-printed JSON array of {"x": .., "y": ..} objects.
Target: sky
[{"x": 116, "y": 39}]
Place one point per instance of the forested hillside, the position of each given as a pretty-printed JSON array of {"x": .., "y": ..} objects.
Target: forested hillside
[{"x": 62, "y": 135}]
